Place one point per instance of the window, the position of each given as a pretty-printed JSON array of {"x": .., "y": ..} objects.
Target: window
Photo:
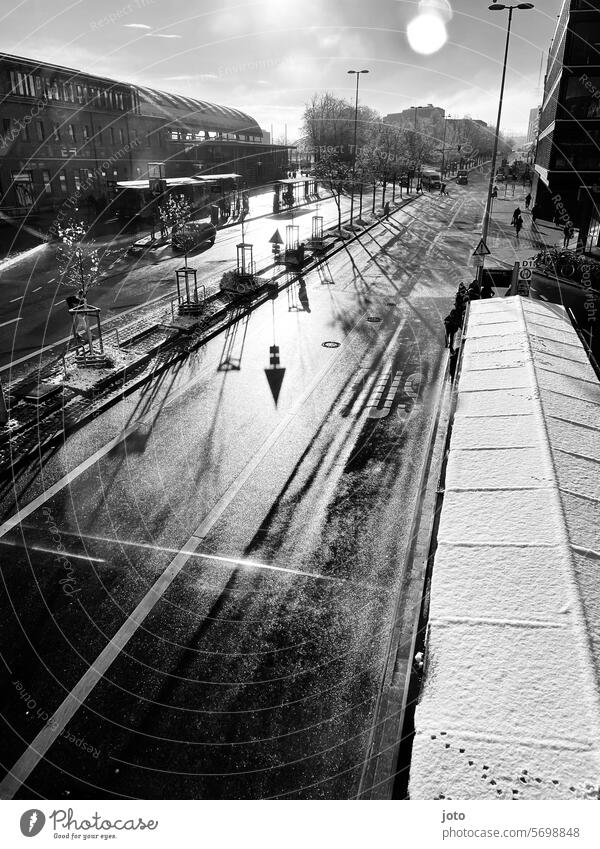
[
  {"x": 99, "y": 134},
  {"x": 111, "y": 134},
  {"x": 26, "y": 136},
  {"x": 79, "y": 90},
  {"x": 47, "y": 182},
  {"x": 23, "y": 185},
  {"x": 40, "y": 130},
  {"x": 6, "y": 126},
  {"x": 68, "y": 92},
  {"x": 77, "y": 181},
  {"x": 63, "y": 183},
  {"x": 56, "y": 131},
  {"x": 121, "y": 136},
  {"x": 86, "y": 132},
  {"x": 72, "y": 132}
]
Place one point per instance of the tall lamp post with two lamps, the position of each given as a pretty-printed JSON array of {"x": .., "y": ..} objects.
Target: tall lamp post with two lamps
[
  {"x": 498, "y": 7},
  {"x": 358, "y": 73}
]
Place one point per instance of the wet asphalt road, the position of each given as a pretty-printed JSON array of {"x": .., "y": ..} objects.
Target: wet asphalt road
[{"x": 229, "y": 569}]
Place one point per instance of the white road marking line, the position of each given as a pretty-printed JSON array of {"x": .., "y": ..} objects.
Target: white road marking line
[
  {"x": 38, "y": 288},
  {"x": 14, "y": 300},
  {"x": 12, "y": 321},
  {"x": 67, "y": 554},
  {"x": 70, "y": 705},
  {"x": 64, "y": 481},
  {"x": 57, "y": 303}
]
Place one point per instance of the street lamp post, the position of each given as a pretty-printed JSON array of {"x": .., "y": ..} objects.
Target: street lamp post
[
  {"x": 498, "y": 7},
  {"x": 358, "y": 73}
]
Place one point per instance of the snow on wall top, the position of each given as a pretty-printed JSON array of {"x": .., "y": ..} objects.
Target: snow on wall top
[{"x": 510, "y": 705}]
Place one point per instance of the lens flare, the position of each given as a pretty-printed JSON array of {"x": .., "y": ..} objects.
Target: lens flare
[{"x": 426, "y": 34}]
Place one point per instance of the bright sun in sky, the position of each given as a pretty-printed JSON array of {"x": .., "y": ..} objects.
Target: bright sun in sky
[{"x": 426, "y": 34}]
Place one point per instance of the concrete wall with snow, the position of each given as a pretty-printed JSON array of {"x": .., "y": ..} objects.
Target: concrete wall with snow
[{"x": 510, "y": 705}]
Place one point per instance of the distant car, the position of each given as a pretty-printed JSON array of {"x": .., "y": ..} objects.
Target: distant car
[
  {"x": 193, "y": 234},
  {"x": 500, "y": 178},
  {"x": 462, "y": 178}
]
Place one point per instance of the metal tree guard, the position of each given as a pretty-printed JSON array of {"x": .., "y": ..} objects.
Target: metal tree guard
[
  {"x": 89, "y": 357},
  {"x": 245, "y": 267},
  {"x": 187, "y": 290}
]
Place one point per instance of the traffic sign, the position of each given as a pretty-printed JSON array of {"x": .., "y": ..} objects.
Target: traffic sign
[
  {"x": 481, "y": 249},
  {"x": 276, "y": 238}
]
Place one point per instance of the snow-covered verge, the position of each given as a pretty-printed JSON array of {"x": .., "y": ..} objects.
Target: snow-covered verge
[{"x": 510, "y": 705}]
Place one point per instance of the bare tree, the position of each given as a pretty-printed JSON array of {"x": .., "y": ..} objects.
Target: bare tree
[
  {"x": 334, "y": 173},
  {"x": 80, "y": 264}
]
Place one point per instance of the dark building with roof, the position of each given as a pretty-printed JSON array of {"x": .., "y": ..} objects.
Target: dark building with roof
[
  {"x": 567, "y": 162},
  {"x": 65, "y": 133}
]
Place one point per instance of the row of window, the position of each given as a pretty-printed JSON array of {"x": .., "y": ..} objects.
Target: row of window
[
  {"x": 205, "y": 135},
  {"x": 58, "y": 131},
  {"x": 42, "y": 87},
  {"x": 114, "y": 135},
  {"x": 26, "y": 189}
]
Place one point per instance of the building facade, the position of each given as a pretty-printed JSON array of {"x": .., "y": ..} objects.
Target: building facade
[
  {"x": 65, "y": 133},
  {"x": 534, "y": 125},
  {"x": 567, "y": 163}
]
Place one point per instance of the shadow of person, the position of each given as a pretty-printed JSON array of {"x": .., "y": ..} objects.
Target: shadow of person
[{"x": 303, "y": 295}]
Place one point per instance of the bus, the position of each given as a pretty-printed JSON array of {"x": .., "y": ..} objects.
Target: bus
[{"x": 140, "y": 199}]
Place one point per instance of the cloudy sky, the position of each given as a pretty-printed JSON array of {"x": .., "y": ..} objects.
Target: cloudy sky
[{"x": 268, "y": 57}]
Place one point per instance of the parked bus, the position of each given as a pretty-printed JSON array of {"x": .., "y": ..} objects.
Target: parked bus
[{"x": 140, "y": 199}]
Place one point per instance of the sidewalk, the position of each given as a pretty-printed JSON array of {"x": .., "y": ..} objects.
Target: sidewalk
[{"x": 505, "y": 248}]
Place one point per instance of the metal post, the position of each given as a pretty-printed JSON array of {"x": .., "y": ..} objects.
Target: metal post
[
  {"x": 444, "y": 147},
  {"x": 3, "y": 410},
  {"x": 358, "y": 73},
  {"x": 486, "y": 217}
]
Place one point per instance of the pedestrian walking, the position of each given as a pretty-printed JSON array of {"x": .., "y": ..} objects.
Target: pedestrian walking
[
  {"x": 568, "y": 231},
  {"x": 527, "y": 200},
  {"x": 419, "y": 187},
  {"x": 487, "y": 289},
  {"x": 494, "y": 192},
  {"x": 386, "y": 208},
  {"x": 443, "y": 189},
  {"x": 518, "y": 225},
  {"x": 535, "y": 213},
  {"x": 451, "y": 324},
  {"x": 474, "y": 292},
  {"x": 515, "y": 215}
]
